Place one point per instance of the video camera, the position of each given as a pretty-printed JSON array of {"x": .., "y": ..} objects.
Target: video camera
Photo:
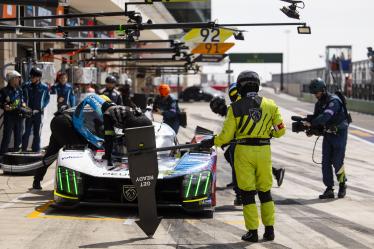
[
  {"x": 24, "y": 112},
  {"x": 298, "y": 126}
]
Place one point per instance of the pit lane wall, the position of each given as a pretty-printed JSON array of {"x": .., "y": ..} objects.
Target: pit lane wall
[
  {"x": 357, "y": 105},
  {"x": 293, "y": 85}
]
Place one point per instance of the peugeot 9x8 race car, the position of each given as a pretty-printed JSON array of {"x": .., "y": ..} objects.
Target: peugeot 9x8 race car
[{"x": 186, "y": 179}]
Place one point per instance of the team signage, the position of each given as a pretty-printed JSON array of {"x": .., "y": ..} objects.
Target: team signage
[
  {"x": 210, "y": 58},
  {"x": 212, "y": 48},
  {"x": 256, "y": 57},
  {"x": 201, "y": 35}
]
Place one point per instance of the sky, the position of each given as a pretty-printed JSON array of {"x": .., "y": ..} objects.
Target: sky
[{"x": 333, "y": 22}]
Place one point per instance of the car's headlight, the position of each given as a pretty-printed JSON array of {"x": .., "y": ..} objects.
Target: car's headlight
[
  {"x": 197, "y": 185},
  {"x": 68, "y": 182}
]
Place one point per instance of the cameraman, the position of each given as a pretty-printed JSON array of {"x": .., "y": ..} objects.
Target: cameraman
[
  {"x": 11, "y": 100},
  {"x": 330, "y": 113}
]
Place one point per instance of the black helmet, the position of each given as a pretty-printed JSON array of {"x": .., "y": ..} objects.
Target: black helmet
[
  {"x": 111, "y": 79},
  {"x": 218, "y": 106},
  {"x": 317, "y": 85},
  {"x": 248, "y": 81},
  {"x": 36, "y": 72}
]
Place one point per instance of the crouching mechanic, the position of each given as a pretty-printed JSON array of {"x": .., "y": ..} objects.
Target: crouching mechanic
[
  {"x": 252, "y": 120},
  {"x": 72, "y": 130},
  {"x": 331, "y": 113}
]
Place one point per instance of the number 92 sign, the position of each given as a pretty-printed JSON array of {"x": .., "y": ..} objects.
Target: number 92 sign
[{"x": 208, "y": 35}]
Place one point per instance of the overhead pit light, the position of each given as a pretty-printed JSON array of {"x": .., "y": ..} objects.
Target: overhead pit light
[
  {"x": 64, "y": 2},
  {"x": 239, "y": 36},
  {"x": 291, "y": 11},
  {"x": 304, "y": 30}
]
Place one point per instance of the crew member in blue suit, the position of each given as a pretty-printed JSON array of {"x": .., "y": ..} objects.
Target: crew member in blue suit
[
  {"x": 64, "y": 91},
  {"x": 11, "y": 100},
  {"x": 36, "y": 95},
  {"x": 330, "y": 112}
]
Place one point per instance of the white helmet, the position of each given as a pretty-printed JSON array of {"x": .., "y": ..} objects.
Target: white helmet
[
  {"x": 12, "y": 74},
  {"x": 128, "y": 81}
]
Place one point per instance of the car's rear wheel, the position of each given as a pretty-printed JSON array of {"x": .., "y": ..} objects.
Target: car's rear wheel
[{"x": 208, "y": 214}]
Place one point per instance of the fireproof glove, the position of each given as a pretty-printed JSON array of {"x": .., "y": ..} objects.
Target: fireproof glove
[{"x": 207, "y": 143}]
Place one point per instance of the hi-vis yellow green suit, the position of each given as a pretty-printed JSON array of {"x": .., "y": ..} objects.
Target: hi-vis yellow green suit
[{"x": 254, "y": 119}]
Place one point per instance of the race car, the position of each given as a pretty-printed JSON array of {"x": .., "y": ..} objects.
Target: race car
[{"x": 186, "y": 179}]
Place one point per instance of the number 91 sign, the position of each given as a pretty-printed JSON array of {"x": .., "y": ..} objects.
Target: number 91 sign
[
  {"x": 208, "y": 35},
  {"x": 212, "y": 48}
]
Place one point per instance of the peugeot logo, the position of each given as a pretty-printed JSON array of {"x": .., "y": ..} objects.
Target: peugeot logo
[
  {"x": 255, "y": 114},
  {"x": 129, "y": 192}
]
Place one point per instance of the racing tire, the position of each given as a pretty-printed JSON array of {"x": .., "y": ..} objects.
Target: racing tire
[
  {"x": 18, "y": 158},
  {"x": 209, "y": 214},
  {"x": 21, "y": 159}
]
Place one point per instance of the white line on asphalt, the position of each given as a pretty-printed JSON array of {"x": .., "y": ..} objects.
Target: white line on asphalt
[
  {"x": 129, "y": 222},
  {"x": 18, "y": 198},
  {"x": 359, "y": 128}
]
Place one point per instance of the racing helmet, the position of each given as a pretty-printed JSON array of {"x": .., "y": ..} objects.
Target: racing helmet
[
  {"x": 105, "y": 98},
  {"x": 111, "y": 79},
  {"x": 317, "y": 85},
  {"x": 107, "y": 103},
  {"x": 128, "y": 81},
  {"x": 12, "y": 74},
  {"x": 233, "y": 92},
  {"x": 248, "y": 81},
  {"x": 164, "y": 90},
  {"x": 36, "y": 72},
  {"x": 218, "y": 106}
]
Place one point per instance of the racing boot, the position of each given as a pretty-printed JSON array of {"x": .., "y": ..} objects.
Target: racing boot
[
  {"x": 36, "y": 185},
  {"x": 342, "y": 190},
  {"x": 250, "y": 236},
  {"x": 279, "y": 175},
  {"x": 269, "y": 233},
  {"x": 328, "y": 194},
  {"x": 230, "y": 185},
  {"x": 110, "y": 165}
]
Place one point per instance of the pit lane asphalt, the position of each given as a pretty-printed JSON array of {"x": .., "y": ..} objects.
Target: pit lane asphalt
[{"x": 302, "y": 221}]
